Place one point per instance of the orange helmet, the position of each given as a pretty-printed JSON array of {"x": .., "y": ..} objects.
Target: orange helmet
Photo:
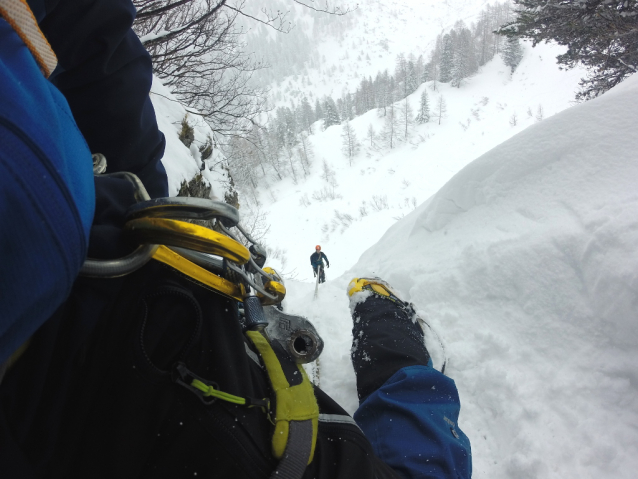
[{"x": 318, "y": 247}]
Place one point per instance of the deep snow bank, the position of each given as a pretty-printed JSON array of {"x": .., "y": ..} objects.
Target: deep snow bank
[{"x": 526, "y": 262}]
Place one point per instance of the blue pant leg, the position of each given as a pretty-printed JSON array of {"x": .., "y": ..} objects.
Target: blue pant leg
[{"x": 411, "y": 422}]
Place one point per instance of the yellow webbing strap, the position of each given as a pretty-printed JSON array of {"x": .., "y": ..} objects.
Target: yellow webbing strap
[
  {"x": 171, "y": 258},
  {"x": 18, "y": 14},
  {"x": 293, "y": 403}
]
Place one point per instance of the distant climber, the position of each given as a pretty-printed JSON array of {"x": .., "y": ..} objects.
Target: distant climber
[{"x": 316, "y": 260}]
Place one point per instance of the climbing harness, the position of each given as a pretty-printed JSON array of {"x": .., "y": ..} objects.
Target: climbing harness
[{"x": 218, "y": 259}]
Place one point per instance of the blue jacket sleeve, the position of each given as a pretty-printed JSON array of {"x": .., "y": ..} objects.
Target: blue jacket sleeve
[
  {"x": 411, "y": 422},
  {"x": 47, "y": 196}
]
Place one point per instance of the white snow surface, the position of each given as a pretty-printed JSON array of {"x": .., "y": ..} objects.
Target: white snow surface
[
  {"x": 525, "y": 263},
  {"x": 477, "y": 119}
]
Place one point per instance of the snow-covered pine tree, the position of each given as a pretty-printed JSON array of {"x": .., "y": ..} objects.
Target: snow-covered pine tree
[
  {"x": 424, "y": 109},
  {"x": 285, "y": 126},
  {"x": 349, "y": 143},
  {"x": 319, "y": 115},
  {"x": 600, "y": 34},
  {"x": 464, "y": 63},
  {"x": 401, "y": 74},
  {"x": 482, "y": 34},
  {"x": 384, "y": 85},
  {"x": 331, "y": 115},
  {"x": 447, "y": 59},
  {"x": 307, "y": 115},
  {"x": 412, "y": 77},
  {"x": 433, "y": 68},
  {"x": 512, "y": 52},
  {"x": 419, "y": 71}
]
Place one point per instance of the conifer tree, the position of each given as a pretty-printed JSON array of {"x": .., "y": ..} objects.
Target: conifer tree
[
  {"x": 512, "y": 52},
  {"x": 384, "y": 93},
  {"x": 600, "y": 34},
  {"x": 307, "y": 115},
  {"x": 447, "y": 60},
  {"x": 318, "y": 110},
  {"x": 331, "y": 115},
  {"x": 464, "y": 63},
  {"x": 424, "y": 109},
  {"x": 412, "y": 78}
]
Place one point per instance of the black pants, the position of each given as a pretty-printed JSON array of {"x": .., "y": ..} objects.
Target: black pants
[{"x": 322, "y": 274}]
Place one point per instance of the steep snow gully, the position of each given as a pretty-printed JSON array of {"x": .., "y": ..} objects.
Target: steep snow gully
[{"x": 525, "y": 262}]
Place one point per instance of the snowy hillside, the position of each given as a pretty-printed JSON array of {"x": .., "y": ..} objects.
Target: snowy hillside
[
  {"x": 383, "y": 185},
  {"x": 342, "y": 50},
  {"x": 525, "y": 263}
]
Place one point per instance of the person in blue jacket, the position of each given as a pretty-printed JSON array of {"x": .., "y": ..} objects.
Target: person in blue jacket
[
  {"x": 53, "y": 212},
  {"x": 316, "y": 260}
]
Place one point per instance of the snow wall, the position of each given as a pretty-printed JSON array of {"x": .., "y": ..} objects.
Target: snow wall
[{"x": 526, "y": 262}]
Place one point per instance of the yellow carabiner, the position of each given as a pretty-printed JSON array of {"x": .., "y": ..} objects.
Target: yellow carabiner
[{"x": 186, "y": 235}]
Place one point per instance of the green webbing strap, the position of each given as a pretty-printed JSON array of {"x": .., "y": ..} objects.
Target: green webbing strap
[
  {"x": 210, "y": 391},
  {"x": 296, "y": 415},
  {"x": 207, "y": 389}
]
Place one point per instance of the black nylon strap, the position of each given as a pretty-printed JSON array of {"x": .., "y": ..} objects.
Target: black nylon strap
[{"x": 293, "y": 464}]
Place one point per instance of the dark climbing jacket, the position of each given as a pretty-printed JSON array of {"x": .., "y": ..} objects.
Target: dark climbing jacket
[{"x": 316, "y": 259}]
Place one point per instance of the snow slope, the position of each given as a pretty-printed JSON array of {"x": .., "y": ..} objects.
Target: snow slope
[
  {"x": 525, "y": 262},
  {"x": 477, "y": 119},
  {"x": 367, "y": 41}
]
